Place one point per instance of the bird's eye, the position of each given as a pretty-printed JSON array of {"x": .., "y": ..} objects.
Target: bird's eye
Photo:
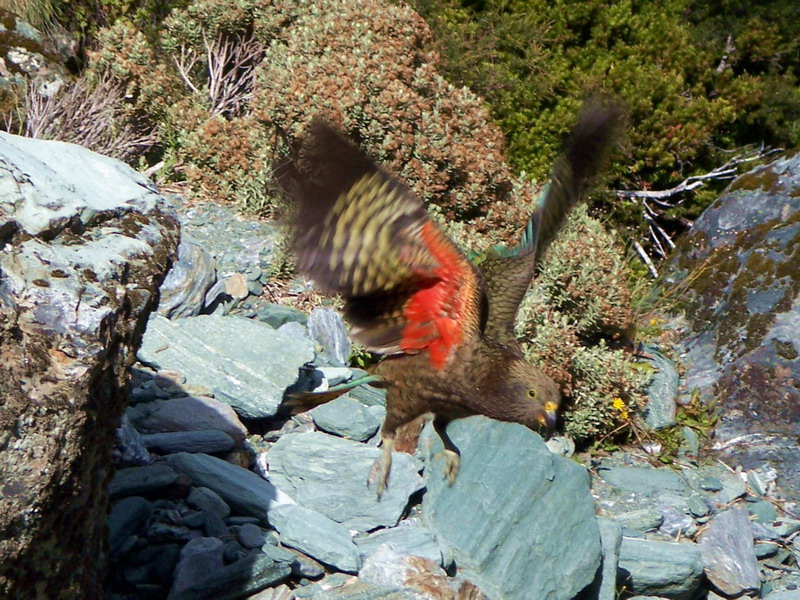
[{"x": 532, "y": 394}]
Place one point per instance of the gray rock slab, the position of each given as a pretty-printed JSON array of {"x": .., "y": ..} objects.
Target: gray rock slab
[
  {"x": 247, "y": 363},
  {"x": 316, "y": 535},
  {"x": 662, "y": 391},
  {"x": 135, "y": 481},
  {"x": 200, "y": 558},
  {"x": 191, "y": 413},
  {"x": 208, "y": 441},
  {"x": 327, "y": 328},
  {"x": 207, "y": 500},
  {"x": 347, "y": 418},
  {"x": 187, "y": 282},
  {"x": 784, "y": 595},
  {"x": 124, "y": 520},
  {"x": 671, "y": 570},
  {"x": 514, "y": 505},
  {"x": 644, "y": 480},
  {"x": 611, "y": 541},
  {"x": 729, "y": 556},
  {"x": 244, "y": 491},
  {"x": 241, "y": 579},
  {"x": 405, "y": 540},
  {"x": 70, "y": 181},
  {"x": 329, "y": 474}
]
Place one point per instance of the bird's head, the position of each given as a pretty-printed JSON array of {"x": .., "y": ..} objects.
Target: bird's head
[{"x": 536, "y": 396}]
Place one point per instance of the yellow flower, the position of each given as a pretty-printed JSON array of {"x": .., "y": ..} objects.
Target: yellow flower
[{"x": 620, "y": 406}]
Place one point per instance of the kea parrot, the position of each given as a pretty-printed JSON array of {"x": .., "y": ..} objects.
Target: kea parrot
[{"x": 444, "y": 325}]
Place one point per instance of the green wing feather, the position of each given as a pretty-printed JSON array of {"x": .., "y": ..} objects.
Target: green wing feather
[{"x": 508, "y": 271}]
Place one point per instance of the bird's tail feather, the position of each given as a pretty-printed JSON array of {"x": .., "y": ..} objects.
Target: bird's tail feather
[{"x": 298, "y": 402}]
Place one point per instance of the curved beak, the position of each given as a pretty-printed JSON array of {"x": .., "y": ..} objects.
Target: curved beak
[{"x": 551, "y": 417}]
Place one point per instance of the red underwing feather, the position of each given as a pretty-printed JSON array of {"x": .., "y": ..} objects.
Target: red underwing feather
[{"x": 438, "y": 315}]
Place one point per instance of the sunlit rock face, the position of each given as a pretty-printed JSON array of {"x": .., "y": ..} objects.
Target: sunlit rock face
[{"x": 736, "y": 277}]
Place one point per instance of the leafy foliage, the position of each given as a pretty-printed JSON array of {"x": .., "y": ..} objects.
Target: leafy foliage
[{"x": 696, "y": 77}]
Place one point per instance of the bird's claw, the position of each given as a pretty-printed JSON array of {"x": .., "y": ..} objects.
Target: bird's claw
[
  {"x": 452, "y": 463},
  {"x": 379, "y": 475}
]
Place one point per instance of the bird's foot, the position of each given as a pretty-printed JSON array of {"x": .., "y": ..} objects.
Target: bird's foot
[
  {"x": 452, "y": 463},
  {"x": 379, "y": 473}
]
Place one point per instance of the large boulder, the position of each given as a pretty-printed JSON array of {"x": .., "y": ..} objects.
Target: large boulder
[
  {"x": 86, "y": 243},
  {"x": 519, "y": 520},
  {"x": 736, "y": 276}
]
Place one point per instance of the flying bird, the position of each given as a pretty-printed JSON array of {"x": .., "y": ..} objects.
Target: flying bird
[{"x": 444, "y": 325}]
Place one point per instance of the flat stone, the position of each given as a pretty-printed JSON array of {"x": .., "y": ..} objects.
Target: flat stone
[
  {"x": 242, "y": 490},
  {"x": 329, "y": 475},
  {"x": 389, "y": 569},
  {"x": 316, "y": 535},
  {"x": 643, "y": 480},
  {"x": 191, "y": 413},
  {"x": 208, "y": 442},
  {"x": 784, "y": 595},
  {"x": 207, "y": 500},
  {"x": 732, "y": 488},
  {"x": 276, "y": 315},
  {"x": 405, "y": 540},
  {"x": 711, "y": 484},
  {"x": 514, "y": 504},
  {"x": 247, "y": 363},
  {"x": 250, "y": 536},
  {"x": 125, "y": 519},
  {"x": 327, "y": 328},
  {"x": 728, "y": 554},
  {"x": 763, "y": 511},
  {"x": 347, "y": 418},
  {"x": 642, "y": 519},
  {"x": 136, "y": 481},
  {"x": 697, "y": 505},
  {"x": 199, "y": 559},
  {"x": 241, "y": 579},
  {"x": 673, "y": 570}
]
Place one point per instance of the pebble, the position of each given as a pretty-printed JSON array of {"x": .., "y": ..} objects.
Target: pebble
[{"x": 250, "y": 536}]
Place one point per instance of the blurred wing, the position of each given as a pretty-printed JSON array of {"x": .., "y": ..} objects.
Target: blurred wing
[
  {"x": 362, "y": 234},
  {"x": 508, "y": 272}
]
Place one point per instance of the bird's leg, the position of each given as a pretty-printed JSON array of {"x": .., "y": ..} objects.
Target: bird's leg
[
  {"x": 452, "y": 455},
  {"x": 379, "y": 473}
]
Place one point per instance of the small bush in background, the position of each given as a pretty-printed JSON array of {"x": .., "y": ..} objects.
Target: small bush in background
[{"x": 577, "y": 311}]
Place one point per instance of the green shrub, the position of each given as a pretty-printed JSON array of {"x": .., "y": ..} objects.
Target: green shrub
[{"x": 698, "y": 78}]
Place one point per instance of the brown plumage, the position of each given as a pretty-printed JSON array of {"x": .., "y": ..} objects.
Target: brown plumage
[{"x": 444, "y": 326}]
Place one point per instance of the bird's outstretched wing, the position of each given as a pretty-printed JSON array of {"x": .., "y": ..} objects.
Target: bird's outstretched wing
[
  {"x": 508, "y": 272},
  {"x": 361, "y": 233}
]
